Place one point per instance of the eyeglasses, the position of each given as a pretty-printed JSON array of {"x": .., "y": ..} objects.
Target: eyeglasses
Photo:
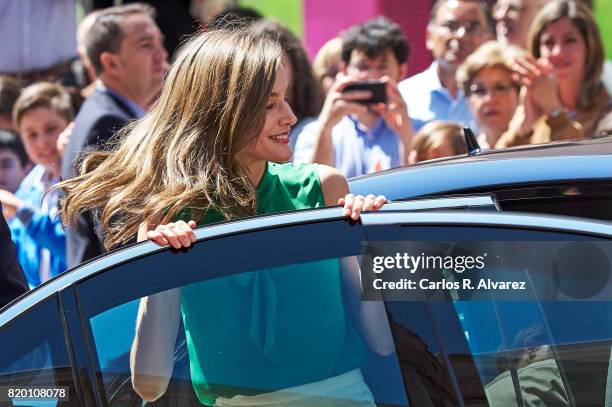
[
  {"x": 469, "y": 28},
  {"x": 498, "y": 89}
]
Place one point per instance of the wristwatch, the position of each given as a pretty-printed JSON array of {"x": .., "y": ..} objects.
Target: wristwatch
[
  {"x": 557, "y": 111},
  {"x": 557, "y": 118}
]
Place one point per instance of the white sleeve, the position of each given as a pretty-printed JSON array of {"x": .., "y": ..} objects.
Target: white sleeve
[{"x": 305, "y": 143}]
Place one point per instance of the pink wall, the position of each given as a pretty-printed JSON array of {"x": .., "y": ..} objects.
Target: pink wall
[
  {"x": 324, "y": 19},
  {"x": 412, "y": 16}
]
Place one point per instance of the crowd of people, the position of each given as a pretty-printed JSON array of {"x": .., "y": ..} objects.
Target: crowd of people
[
  {"x": 522, "y": 73},
  {"x": 239, "y": 122}
]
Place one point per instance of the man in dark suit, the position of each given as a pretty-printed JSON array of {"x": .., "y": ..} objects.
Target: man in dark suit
[
  {"x": 125, "y": 47},
  {"x": 12, "y": 279}
]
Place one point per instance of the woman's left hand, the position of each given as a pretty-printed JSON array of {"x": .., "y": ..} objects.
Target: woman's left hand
[
  {"x": 355, "y": 204},
  {"x": 539, "y": 77}
]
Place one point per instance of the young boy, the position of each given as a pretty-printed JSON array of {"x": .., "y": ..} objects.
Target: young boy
[
  {"x": 14, "y": 163},
  {"x": 40, "y": 114},
  {"x": 360, "y": 138}
]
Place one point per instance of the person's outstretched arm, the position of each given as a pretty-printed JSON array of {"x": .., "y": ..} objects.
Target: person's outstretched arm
[
  {"x": 47, "y": 230},
  {"x": 368, "y": 317},
  {"x": 151, "y": 357}
]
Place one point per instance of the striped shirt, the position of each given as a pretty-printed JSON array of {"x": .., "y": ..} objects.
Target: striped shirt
[{"x": 36, "y": 34}]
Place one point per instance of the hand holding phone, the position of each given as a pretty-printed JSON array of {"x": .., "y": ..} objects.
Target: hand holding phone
[{"x": 376, "y": 87}]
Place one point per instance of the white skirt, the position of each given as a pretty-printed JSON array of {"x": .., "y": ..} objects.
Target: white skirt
[{"x": 345, "y": 390}]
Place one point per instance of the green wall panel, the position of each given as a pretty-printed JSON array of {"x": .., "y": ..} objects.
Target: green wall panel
[
  {"x": 603, "y": 14},
  {"x": 289, "y": 12}
]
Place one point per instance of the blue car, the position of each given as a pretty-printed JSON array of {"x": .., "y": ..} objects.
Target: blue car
[{"x": 318, "y": 309}]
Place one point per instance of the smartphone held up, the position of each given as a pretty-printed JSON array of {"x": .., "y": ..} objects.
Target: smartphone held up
[{"x": 377, "y": 88}]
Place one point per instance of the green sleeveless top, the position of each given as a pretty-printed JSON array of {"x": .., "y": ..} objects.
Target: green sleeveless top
[
  {"x": 249, "y": 334},
  {"x": 283, "y": 187}
]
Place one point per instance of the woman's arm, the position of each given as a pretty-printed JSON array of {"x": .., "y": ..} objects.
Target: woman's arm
[
  {"x": 368, "y": 317},
  {"x": 540, "y": 118},
  {"x": 336, "y": 192},
  {"x": 151, "y": 357}
]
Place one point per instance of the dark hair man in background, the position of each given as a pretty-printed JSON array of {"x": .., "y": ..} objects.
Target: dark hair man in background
[
  {"x": 176, "y": 19},
  {"x": 10, "y": 89}
]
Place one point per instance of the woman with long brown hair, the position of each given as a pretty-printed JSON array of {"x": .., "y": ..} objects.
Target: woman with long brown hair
[{"x": 207, "y": 151}]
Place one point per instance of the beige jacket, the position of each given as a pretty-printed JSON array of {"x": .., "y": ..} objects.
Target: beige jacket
[{"x": 561, "y": 127}]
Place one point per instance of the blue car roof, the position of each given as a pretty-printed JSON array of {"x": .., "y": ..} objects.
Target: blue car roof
[{"x": 585, "y": 160}]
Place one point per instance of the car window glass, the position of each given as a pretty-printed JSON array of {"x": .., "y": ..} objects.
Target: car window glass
[
  {"x": 583, "y": 200},
  {"x": 281, "y": 321},
  {"x": 502, "y": 351},
  {"x": 593, "y": 207},
  {"x": 35, "y": 357}
]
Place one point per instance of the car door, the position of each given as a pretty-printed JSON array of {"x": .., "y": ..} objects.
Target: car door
[
  {"x": 35, "y": 359},
  {"x": 247, "y": 259},
  {"x": 265, "y": 307}
]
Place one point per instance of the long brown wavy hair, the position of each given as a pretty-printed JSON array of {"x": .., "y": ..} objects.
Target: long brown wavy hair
[{"x": 182, "y": 154}]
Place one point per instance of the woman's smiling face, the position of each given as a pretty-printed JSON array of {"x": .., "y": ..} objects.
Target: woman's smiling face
[{"x": 272, "y": 143}]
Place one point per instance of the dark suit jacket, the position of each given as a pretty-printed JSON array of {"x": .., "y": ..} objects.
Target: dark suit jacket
[
  {"x": 12, "y": 279},
  {"x": 100, "y": 117}
]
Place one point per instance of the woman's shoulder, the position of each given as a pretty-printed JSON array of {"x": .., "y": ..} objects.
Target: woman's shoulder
[
  {"x": 319, "y": 171},
  {"x": 292, "y": 172},
  {"x": 301, "y": 172},
  {"x": 328, "y": 181},
  {"x": 299, "y": 183}
]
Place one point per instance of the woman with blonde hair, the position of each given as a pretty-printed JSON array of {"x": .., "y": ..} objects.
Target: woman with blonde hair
[
  {"x": 206, "y": 152},
  {"x": 437, "y": 139},
  {"x": 563, "y": 97},
  {"x": 326, "y": 64},
  {"x": 486, "y": 78}
]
